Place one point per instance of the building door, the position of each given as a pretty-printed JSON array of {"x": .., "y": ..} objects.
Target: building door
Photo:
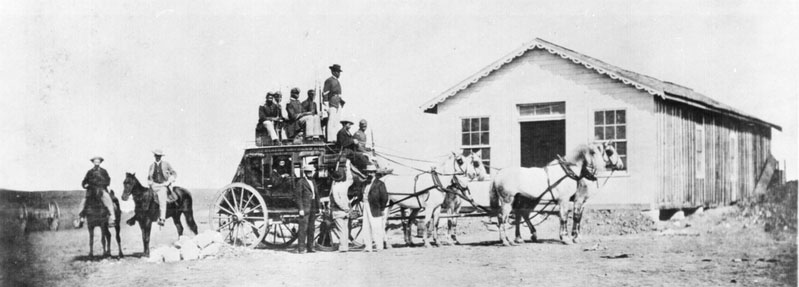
[{"x": 542, "y": 141}]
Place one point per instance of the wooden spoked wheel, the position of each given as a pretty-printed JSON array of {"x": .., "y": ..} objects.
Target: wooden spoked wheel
[
  {"x": 240, "y": 214},
  {"x": 281, "y": 234},
  {"x": 55, "y": 214}
]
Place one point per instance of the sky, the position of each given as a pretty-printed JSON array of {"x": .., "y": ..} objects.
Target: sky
[{"x": 120, "y": 78}]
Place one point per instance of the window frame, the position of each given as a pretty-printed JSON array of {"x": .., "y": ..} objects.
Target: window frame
[
  {"x": 463, "y": 148},
  {"x": 592, "y": 136}
]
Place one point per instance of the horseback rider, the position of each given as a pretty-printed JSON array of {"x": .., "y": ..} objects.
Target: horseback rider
[
  {"x": 97, "y": 178},
  {"x": 160, "y": 177}
]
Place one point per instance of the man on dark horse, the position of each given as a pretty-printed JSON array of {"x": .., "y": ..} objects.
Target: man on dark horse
[
  {"x": 97, "y": 180},
  {"x": 160, "y": 177}
]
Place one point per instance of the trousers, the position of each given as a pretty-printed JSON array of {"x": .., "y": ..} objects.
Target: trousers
[
  {"x": 374, "y": 230},
  {"x": 313, "y": 126},
  {"x": 270, "y": 128},
  {"x": 306, "y": 232},
  {"x": 160, "y": 190},
  {"x": 333, "y": 124},
  {"x": 342, "y": 229}
]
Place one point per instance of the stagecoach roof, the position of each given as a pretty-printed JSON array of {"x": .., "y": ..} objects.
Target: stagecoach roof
[
  {"x": 290, "y": 147},
  {"x": 665, "y": 90}
]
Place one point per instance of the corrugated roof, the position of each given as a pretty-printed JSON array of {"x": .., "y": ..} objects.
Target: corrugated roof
[{"x": 655, "y": 87}]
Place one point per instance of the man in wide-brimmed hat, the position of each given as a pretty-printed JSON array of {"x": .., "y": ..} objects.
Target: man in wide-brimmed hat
[
  {"x": 331, "y": 93},
  {"x": 160, "y": 177},
  {"x": 375, "y": 201},
  {"x": 306, "y": 195},
  {"x": 97, "y": 178}
]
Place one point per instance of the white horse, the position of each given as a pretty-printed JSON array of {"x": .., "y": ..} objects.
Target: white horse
[
  {"x": 442, "y": 187},
  {"x": 561, "y": 180},
  {"x": 476, "y": 171}
]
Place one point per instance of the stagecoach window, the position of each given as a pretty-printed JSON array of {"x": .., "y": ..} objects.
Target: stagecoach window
[
  {"x": 475, "y": 136},
  {"x": 611, "y": 125}
]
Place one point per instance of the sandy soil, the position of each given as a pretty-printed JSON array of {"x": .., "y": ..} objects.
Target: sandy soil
[{"x": 718, "y": 248}]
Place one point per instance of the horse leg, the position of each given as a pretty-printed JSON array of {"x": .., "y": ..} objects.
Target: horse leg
[
  {"x": 434, "y": 226},
  {"x": 563, "y": 214},
  {"x": 428, "y": 214},
  {"x": 91, "y": 241},
  {"x": 106, "y": 241},
  {"x": 386, "y": 240},
  {"x": 145, "y": 235},
  {"x": 452, "y": 228},
  {"x": 406, "y": 230},
  {"x": 517, "y": 221},
  {"x": 503, "y": 217},
  {"x": 533, "y": 233},
  {"x": 178, "y": 225},
  {"x": 119, "y": 241},
  {"x": 578, "y": 216}
]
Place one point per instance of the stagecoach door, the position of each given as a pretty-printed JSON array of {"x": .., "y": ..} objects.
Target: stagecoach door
[{"x": 542, "y": 141}]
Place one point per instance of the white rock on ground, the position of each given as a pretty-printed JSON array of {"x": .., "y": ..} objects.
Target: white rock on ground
[
  {"x": 184, "y": 241},
  {"x": 204, "y": 239},
  {"x": 156, "y": 255},
  {"x": 210, "y": 250},
  {"x": 189, "y": 252},
  {"x": 171, "y": 254},
  {"x": 218, "y": 237}
]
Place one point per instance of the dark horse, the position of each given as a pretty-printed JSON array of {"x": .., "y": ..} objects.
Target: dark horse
[
  {"x": 97, "y": 216},
  {"x": 147, "y": 208}
]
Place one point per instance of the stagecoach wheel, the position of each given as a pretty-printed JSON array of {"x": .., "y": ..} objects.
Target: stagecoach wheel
[
  {"x": 281, "y": 234},
  {"x": 23, "y": 218},
  {"x": 240, "y": 214},
  {"x": 54, "y": 215}
]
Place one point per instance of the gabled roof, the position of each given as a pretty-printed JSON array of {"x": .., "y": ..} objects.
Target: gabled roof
[{"x": 655, "y": 87}]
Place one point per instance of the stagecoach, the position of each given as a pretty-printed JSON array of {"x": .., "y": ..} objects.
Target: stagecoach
[{"x": 258, "y": 206}]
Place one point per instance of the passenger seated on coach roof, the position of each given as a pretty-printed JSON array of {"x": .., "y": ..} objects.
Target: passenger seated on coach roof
[
  {"x": 309, "y": 118},
  {"x": 293, "y": 110},
  {"x": 268, "y": 117}
]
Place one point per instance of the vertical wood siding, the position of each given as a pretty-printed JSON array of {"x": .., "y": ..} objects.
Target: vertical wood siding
[{"x": 734, "y": 153}]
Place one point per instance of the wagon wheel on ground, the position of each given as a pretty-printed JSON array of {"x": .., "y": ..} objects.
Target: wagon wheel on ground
[
  {"x": 281, "y": 234},
  {"x": 240, "y": 214},
  {"x": 23, "y": 218},
  {"x": 326, "y": 237},
  {"x": 54, "y": 215}
]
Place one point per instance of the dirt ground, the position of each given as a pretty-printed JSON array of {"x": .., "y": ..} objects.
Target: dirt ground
[{"x": 716, "y": 248}]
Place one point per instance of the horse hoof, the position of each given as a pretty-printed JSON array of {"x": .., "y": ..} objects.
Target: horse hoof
[
  {"x": 518, "y": 240},
  {"x": 566, "y": 242},
  {"x": 534, "y": 239},
  {"x": 427, "y": 245},
  {"x": 575, "y": 240}
]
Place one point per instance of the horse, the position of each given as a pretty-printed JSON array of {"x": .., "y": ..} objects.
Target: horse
[
  {"x": 562, "y": 180},
  {"x": 476, "y": 171},
  {"x": 97, "y": 216},
  {"x": 147, "y": 208},
  {"x": 430, "y": 194}
]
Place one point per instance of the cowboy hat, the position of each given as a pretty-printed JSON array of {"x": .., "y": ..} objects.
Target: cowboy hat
[
  {"x": 336, "y": 68},
  {"x": 97, "y": 157},
  {"x": 158, "y": 152},
  {"x": 371, "y": 168}
]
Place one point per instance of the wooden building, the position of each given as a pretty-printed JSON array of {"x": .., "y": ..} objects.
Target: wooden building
[{"x": 681, "y": 149}]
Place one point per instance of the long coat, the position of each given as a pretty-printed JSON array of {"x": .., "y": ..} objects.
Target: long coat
[
  {"x": 378, "y": 198},
  {"x": 307, "y": 199},
  {"x": 293, "y": 109}
]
